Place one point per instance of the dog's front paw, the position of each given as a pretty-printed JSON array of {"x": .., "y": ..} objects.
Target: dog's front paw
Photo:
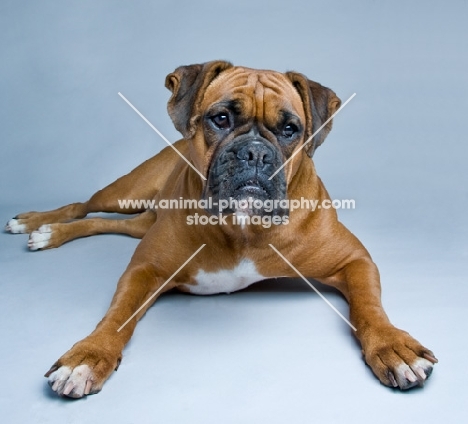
[
  {"x": 83, "y": 370},
  {"x": 397, "y": 359}
]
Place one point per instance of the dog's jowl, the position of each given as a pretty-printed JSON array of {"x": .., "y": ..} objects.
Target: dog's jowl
[{"x": 240, "y": 127}]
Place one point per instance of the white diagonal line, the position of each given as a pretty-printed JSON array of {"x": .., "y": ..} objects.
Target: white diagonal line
[
  {"x": 161, "y": 135},
  {"x": 312, "y": 136},
  {"x": 313, "y": 287},
  {"x": 160, "y": 288}
]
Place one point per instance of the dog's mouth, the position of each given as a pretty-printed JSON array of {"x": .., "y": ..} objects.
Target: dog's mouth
[
  {"x": 251, "y": 195},
  {"x": 239, "y": 176},
  {"x": 252, "y": 187}
]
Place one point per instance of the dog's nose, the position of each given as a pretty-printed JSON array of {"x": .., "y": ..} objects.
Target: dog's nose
[{"x": 255, "y": 153}]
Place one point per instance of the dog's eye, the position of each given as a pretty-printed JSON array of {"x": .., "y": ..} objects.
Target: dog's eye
[
  {"x": 289, "y": 130},
  {"x": 221, "y": 121}
]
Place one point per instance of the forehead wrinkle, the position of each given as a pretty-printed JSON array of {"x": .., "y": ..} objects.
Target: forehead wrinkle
[
  {"x": 259, "y": 94},
  {"x": 237, "y": 80},
  {"x": 275, "y": 81},
  {"x": 236, "y": 77},
  {"x": 277, "y": 85},
  {"x": 258, "y": 91}
]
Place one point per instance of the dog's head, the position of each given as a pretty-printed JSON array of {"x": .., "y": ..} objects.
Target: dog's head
[{"x": 244, "y": 124}]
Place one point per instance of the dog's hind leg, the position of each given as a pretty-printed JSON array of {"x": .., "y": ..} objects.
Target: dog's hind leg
[
  {"x": 143, "y": 183},
  {"x": 48, "y": 236},
  {"x": 29, "y": 221}
]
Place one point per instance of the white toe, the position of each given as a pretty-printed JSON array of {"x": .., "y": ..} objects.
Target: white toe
[
  {"x": 40, "y": 238},
  {"x": 404, "y": 374},
  {"x": 73, "y": 383},
  {"x": 13, "y": 226},
  {"x": 422, "y": 368},
  {"x": 414, "y": 374},
  {"x": 58, "y": 379}
]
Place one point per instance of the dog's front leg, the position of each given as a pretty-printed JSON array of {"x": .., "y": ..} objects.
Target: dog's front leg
[
  {"x": 395, "y": 357},
  {"x": 89, "y": 363}
]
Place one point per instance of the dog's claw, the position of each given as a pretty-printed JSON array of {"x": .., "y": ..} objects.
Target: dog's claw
[
  {"x": 430, "y": 358},
  {"x": 392, "y": 379},
  {"x": 55, "y": 385},
  {"x": 420, "y": 373},
  {"x": 53, "y": 368},
  {"x": 87, "y": 390},
  {"x": 68, "y": 388},
  {"x": 410, "y": 376}
]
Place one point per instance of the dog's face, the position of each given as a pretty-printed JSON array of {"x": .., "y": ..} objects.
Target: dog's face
[
  {"x": 252, "y": 121},
  {"x": 244, "y": 124}
]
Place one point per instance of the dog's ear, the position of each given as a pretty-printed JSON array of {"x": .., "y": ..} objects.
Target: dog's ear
[
  {"x": 188, "y": 84},
  {"x": 319, "y": 104}
]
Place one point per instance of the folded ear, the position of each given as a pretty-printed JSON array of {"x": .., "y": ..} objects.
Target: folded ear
[
  {"x": 319, "y": 104},
  {"x": 187, "y": 84}
]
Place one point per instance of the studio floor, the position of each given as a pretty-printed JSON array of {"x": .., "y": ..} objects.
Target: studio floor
[{"x": 274, "y": 352}]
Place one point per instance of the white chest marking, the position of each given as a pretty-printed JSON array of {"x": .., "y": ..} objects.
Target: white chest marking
[{"x": 225, "y": 280}]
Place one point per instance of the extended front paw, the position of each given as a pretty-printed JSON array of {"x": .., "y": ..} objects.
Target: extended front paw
[
  {"x": 397, "y": 359},
  {"x": 82, "y": 370}
]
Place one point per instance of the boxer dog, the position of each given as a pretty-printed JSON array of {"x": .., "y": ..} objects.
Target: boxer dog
[{"x": 239, "y": 126}]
